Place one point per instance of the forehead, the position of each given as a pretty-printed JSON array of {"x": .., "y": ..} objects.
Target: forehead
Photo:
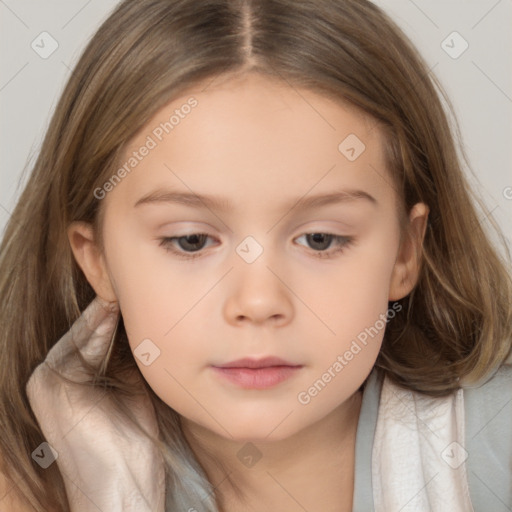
[{"x": 254, "y": 139}]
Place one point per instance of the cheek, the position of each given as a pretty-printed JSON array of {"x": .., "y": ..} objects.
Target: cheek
[
  {"x": 344, "y": 360},
  {"x": 351, "y": 295},
  {"x": 151, "y": 298},
  {"x": 353, "y": 305},
  {"x": 160, "y": 318}
]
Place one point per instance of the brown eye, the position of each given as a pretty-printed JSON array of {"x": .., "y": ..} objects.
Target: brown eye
[
  {"x": 185, "y": 246},
  {"x": 191, "y": 243},
  {"x": 319, "y": 242}
]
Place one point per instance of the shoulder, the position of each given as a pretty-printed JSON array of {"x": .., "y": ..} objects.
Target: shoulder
[{"x": 488, "y": 441}]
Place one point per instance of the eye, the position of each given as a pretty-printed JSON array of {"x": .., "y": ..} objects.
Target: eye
[
  {"x": 190, "y": 245},
  {"x": 322, "y": 241}
]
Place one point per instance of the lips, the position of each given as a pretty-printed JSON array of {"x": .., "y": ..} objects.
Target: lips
[
  {"x": 265, "y": 362},
  {"x": 250, "y": 373}
]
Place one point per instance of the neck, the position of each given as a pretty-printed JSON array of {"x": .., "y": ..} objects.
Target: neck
[{"x": 314, "y": 466}]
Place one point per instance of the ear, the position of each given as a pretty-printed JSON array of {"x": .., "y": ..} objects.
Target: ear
[
  {"x": 407, "y": 265},
  {"x": 90, "y": 259}
]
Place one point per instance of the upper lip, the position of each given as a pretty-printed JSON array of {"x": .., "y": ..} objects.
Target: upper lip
[{"x": 248, "y": 362}]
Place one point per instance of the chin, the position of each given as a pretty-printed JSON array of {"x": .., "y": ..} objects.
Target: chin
[{"x": 259, "y": 430}]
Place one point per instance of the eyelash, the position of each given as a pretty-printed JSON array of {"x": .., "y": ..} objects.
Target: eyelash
[{"x": 345, "y": 241}]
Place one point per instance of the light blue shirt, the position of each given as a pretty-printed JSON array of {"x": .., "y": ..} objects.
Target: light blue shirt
[{"x": 488, "y": 426}]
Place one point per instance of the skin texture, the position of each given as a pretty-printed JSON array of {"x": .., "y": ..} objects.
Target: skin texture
[{"x": 262, "y": 146}]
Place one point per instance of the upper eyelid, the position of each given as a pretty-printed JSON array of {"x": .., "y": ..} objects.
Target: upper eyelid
[
  {"x": 308, "y": 232},
  {"x": 343, "y": 226}
]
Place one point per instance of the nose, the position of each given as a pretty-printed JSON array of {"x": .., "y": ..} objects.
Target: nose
[{"x": 258, "y": 294}]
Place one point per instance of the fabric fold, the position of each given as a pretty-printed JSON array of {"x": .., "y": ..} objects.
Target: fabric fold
[{"x": 418, "y": 458}]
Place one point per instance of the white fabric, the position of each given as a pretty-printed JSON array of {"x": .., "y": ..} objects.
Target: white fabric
[
  {"x": 418, "y": 453},
  {"x": 106, "y": 463}
]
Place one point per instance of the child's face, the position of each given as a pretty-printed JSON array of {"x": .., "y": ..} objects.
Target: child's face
[{"x": 260, "y": 147}]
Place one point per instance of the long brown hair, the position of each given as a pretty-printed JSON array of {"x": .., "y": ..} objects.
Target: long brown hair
[{"x": 456, "y": 325}]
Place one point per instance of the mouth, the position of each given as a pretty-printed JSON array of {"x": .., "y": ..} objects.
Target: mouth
[
  {"x": 249, "y": 373},
  {"x": 254, "y": 363}
]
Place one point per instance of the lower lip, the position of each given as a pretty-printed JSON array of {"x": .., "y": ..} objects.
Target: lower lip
[{"x": 258, "y": 378}]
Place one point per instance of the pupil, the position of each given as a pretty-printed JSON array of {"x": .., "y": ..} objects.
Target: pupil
[
  {"x": 190, "y": 241},
  {"x": 320, "y": 238}
]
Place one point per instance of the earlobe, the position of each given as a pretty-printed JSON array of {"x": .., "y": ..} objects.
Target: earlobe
[
  {"x": 407, "y": 266},
  {"x": 90, "y": 259}
]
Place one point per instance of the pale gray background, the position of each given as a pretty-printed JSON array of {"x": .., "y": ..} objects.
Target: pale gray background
[{"x": 479, "y": 82}]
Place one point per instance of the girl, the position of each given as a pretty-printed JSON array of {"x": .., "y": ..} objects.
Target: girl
[{"x": 247, "y": 274}]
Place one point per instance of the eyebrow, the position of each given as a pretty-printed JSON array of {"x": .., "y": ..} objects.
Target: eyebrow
[{"x": 223, "y": 205}]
